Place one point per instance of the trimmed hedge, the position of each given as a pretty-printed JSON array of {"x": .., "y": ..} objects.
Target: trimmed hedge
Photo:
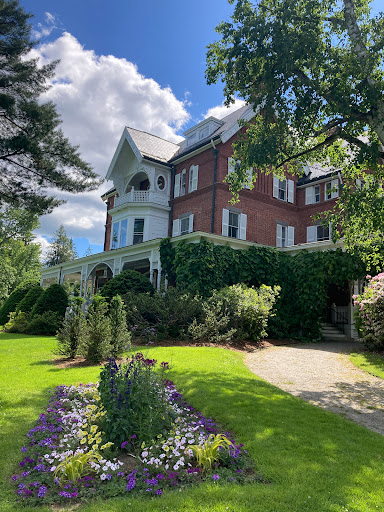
[
  {"x": 54, "y": 299},
  {"x": 127, "y": 281},
  {"x": 27, "y": 303},
  {"x": 15, "y": 298}
]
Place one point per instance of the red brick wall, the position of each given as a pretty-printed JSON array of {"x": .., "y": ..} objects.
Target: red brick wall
[
  {"x": 108, "y": 225},
  {"x": 262, "y": 209}
]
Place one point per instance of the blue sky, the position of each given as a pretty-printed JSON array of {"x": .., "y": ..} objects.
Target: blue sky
[
  {"x": 161, "y": 49},
  {"x": 138, "y": 63}
]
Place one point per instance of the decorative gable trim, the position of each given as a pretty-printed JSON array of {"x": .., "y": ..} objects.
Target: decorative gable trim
[{"x": 125, "y": 137}]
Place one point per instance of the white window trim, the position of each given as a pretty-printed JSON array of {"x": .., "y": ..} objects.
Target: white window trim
[
  {"x": 241, "y": 228},
  {"x": 193, "y": 178},
  {"x": 289, "y": 189},
  {"x": 289, "y": 235},
  {"x": 334, "y": 189}
]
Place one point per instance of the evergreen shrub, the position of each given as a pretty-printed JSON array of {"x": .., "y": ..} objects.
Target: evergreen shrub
[
  {"x": 30, "y": 299},
  {"x": 15, "y": 298},
  {"x": 171, "y": 312},
  {"x": 47, "y": 323},
  {"x": 127, "y": 281},
  {"x": 120, "y": 336},
  {"x": 54, "y": 299},
  {"x": 72, "y": 332},
  {"x": 96, "y": 345}
]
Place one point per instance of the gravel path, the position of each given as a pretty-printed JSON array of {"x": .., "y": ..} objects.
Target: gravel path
[{"x": 322, "y": 374}]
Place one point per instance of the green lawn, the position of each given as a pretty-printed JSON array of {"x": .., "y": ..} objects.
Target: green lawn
[
  {"x": 315, "y": 461},
  {"x": 371, "y": 363}
]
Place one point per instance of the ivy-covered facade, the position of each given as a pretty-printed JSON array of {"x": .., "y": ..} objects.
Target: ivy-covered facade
[{"x": 162, "y": 189}]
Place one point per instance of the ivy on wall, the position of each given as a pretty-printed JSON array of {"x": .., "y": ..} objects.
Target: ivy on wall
[{"x": 304, "y": 278}]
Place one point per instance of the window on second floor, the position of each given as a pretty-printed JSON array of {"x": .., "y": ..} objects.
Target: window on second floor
[
  {"x": 331, "y": 189},
  {"x": 193, "y": 178},
  {"x": 312, "y": 194},
  {"x": 283, "y": 189},
  {"x": 119, "y": 234},
  {"x": 138, "y": 231}
]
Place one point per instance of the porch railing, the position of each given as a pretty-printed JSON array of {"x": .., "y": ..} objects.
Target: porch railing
[{"x": 339, "y": 316}]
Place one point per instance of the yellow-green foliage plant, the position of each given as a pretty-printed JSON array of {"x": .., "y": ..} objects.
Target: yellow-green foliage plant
[
  {"x": 76, "y": 466},
  {"x": 209, "y": 452}
]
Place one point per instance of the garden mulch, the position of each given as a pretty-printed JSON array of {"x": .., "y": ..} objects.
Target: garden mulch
[{"x": 322, "y": 374}]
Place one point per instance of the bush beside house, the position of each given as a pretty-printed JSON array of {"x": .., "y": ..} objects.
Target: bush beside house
[
  {"x": 15, "y": 298},
  {"x": 127, "y": 281}
]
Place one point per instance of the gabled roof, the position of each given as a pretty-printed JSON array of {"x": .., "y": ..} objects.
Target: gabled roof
[
  {"x": 152, "y": 146},
  {"x": 143, "y": 145}
]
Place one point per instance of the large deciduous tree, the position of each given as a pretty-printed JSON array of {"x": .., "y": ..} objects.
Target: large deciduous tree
[
  {"x": 314, "y": 70},
  {"x": 19, "y": 255},
  {"x": 34, "y": 154}
]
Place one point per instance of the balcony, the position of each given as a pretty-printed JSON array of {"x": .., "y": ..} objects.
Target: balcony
[{"x": 142, "y": 196}]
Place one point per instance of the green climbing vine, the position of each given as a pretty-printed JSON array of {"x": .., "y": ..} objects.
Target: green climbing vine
[{"x": 304, "y": 278}]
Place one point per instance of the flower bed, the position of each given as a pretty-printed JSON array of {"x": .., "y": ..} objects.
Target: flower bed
[{"x": 68, "y": 458}]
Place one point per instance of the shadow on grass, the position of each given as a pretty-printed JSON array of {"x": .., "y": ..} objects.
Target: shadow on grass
[{"x": 292, "y": 441}]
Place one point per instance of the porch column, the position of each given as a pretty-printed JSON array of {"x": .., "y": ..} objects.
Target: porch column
[
  {"x": 158, "y": 275},
  {"x": 151, "y": 267}
]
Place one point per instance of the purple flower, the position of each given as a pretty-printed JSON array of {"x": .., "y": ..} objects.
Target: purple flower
[
  {"x": 151, "y": 481},
  {"x": 159, "y": 492},
  {"x": 108, "y": 476},
  {"x": 42, "y": 491},
  {"x": 65, "y": 494},
  {"x": 74, "y": 495},
  {"x": 215, "y": 477},
  {"x": 24, "y": 449},
  {"x": 239, "y": 470},
  {"x": 193, "y": 470},
  {"x": 123, "y": 445},
  {"x": 131, "y": 484},
  {"x": 120, "y": 473},
  {"x": 160, "y": 476},
  {"x": 25, "y": 473},
  {"x": 40, "y": 467},
  {"x": 133, "y": 437},
  {"x": 15, "y": 477}
]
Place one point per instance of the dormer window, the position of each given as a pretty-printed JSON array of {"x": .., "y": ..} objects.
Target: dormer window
[
  {"x": 191, "y": 139},
  {"x": 202, "y": 130}
]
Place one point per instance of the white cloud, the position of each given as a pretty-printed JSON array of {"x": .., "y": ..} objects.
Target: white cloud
[
  {"x": 221, "y": 111},
  {"x": 44, "y": 244},
  {"x": 96, "y": 97},
  {"x": 45, "y": 29}
]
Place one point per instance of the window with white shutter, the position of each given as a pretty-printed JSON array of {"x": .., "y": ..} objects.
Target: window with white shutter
[
  {"x": 186, "y": 224},
  {"x": 291, "y": 236},
  {"x": 225, "y": 222},
  {"x": 193, "y": 177},
  {"x": 309, "y": 195},
  {"x": 291, "y": 191},
  {"x": 243, "y": 227},
  {"x": 176, "y": 227},
  {"x": 284, "y": 189},
  {"x": 183, "y": 183},
  {"x": 276, "y": 187},
  {"x": 176, "y": 192},
  {"x": 311, "y": 234},
  {"x": 279, "y": 235}
]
